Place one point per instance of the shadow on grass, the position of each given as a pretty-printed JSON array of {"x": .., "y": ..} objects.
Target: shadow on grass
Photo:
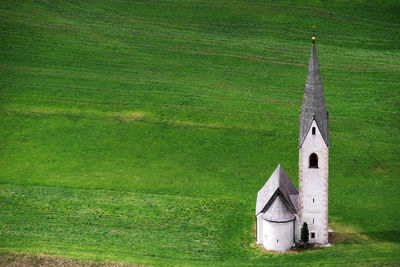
[
  {"x": 347, "y": 238},
  {"x": 334, "y": 238},
  {"x": 363, "y": 237},
  {"x": 384, "y": 236}
]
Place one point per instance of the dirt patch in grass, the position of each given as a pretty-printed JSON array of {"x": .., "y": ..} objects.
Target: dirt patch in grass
[
  {"x": 22, "y": 260},
  {"x": 130, "y": 116}
]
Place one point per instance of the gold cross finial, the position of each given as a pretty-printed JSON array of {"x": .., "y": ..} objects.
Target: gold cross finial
[{"x": 313, "y": 35}]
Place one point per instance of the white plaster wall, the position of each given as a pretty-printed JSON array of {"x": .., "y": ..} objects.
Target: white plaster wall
[
  {"x": 277, "y": 236},
  {"x": 297, "y": 229},
  {"x": 259, "y": 229},
  {"x": 313, "y": 184}
]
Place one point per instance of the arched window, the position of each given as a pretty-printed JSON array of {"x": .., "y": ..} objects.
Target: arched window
[
  {"x": 313, "y": 130},
  {"x": 313, "y": 161}
]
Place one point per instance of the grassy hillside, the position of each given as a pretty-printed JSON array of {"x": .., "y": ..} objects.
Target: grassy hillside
[{"x": 141, "y": 131}]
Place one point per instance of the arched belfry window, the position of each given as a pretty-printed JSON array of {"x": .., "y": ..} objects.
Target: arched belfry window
[{"x": 313, "y": 161}]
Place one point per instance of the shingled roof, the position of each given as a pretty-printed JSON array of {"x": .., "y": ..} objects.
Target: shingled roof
[
  {"x": 313, "y": 105},
  {"x": 277, "y": 186}
]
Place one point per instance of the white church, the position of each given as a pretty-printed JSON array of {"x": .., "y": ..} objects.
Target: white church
[{"x": 281, "y": 210}]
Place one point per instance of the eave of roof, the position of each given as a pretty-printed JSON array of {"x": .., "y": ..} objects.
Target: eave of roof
[{"x": 278, "y": 212}]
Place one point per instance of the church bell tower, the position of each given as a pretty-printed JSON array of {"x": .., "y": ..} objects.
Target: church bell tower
[{"x": 313, "y": 155}]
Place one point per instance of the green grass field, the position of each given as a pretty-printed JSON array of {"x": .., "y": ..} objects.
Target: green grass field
[{"x": 140, "y": 132}]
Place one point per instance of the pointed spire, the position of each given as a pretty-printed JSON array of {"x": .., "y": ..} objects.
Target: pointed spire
[{"x": 313, "y": 106}]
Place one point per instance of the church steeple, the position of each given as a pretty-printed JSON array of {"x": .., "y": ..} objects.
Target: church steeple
[
  {"x": 313, "y": 106},
  {"x": 314, "y": 155}
]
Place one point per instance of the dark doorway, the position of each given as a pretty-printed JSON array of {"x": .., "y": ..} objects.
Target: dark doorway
[{"x": 313, "y": 160}]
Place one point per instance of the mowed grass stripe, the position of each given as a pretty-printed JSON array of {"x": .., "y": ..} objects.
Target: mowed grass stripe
[
  {"x": 141, "y": 224},
  {"x": 120, "y": 222}
]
